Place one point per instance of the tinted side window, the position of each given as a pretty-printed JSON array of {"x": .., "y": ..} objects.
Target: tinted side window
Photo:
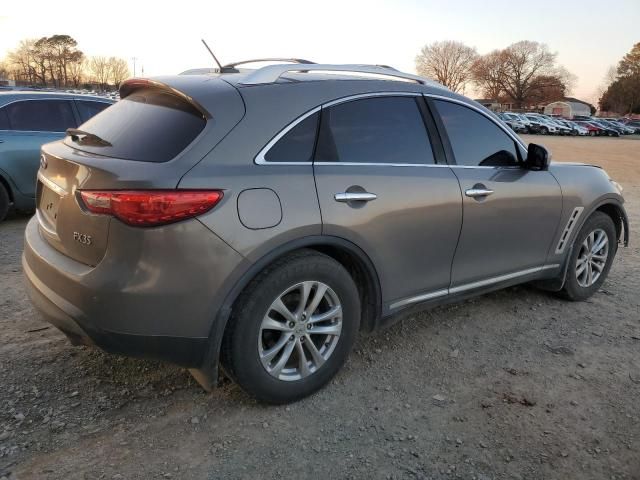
[
  {"x": 374, "y": 130},
  {"x": 41, "y": 115},
  {"x": 297, "y": 144},
  {"x": 474, "y": 138},
  {"x": 4, "y": 119},
  {"x": 89, "y": 109}
]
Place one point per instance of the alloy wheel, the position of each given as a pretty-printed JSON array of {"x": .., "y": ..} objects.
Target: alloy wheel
[
  {"x": 592, "y": 258},
  {"x": 300, "y": 331}
]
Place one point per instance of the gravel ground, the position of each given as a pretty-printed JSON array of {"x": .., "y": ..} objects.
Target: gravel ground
[{"x": 512, "y": 385}]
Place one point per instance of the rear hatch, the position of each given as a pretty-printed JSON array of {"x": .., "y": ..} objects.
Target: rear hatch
[{"x": 147, "y": 141}]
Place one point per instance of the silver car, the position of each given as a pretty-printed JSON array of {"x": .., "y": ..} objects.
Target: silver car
[{"x": 261, "y": 220}]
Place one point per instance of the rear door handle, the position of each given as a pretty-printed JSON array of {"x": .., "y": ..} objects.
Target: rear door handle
[
  {"x": 354, "y": 197},
  {"x": 478, "y": 192}
]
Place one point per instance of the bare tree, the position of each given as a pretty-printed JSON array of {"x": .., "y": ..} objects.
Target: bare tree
[
  {"x": 522, "y": 63},
  {"x": 487, "y": 74},
  {"x": 118, "y": 70},
  {"x": 99, "y": 69},
  {"x": 448, "y": 62}
]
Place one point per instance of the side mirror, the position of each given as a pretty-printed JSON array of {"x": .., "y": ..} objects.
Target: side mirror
[{"x": 537, "y": 157}]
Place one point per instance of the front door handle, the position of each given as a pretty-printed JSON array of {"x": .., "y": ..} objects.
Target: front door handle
[
  {"x": 354, "y": 197},
  {"x": 478, "y": 192}
]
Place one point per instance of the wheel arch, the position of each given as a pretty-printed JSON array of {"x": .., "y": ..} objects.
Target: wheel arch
[
  {"x": 7, "y": 186},
  {"x": 348, "y": 254}
]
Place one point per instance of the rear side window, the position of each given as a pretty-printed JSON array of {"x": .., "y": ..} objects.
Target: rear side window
[
  {"x": 41, "y": 115},
  {"x": 89, "y": 109},
  {"x": 476, "y": 140},
  {"x": 374, "y": 130},
  {"x": 4, "y": 119},
  {"x": 148, "y": 126},
  {"x": 297, "y": 144}
]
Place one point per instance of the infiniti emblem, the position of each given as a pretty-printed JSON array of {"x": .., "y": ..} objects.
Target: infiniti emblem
[{"x": 43, "y": 162}]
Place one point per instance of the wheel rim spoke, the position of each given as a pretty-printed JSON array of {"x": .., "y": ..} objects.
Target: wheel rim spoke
[
  {"x": 271, "y": 324},
  {"x": 317, "y": 358},
  {"x": 302, "y": 360},
  {"x": 270, "y": 354},
  {"x": 284, "y": 358},
  {"x": 333, "y": 329},
  {"x": 305, "y": 290},
  {"x": 317, "y": 298},
  {"x": 328, "y": 315},
  {"x": 282, "y": 309}
]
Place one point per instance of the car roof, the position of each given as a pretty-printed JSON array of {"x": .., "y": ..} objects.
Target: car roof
[{"x": 9, "y": 96}]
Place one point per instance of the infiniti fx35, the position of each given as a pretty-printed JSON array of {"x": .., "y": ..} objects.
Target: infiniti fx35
[{"x": 260, "y": 220}]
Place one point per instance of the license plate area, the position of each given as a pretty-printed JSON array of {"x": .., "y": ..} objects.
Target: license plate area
[{"x": 48, "y": 207}]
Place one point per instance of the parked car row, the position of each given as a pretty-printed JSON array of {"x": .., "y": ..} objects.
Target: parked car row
[{"x": 537, "y": 123}]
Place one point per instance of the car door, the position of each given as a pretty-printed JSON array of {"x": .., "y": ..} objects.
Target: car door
[
  {"x": 381, "y": 187},
  {"x": 32, "y": 123},
  {"x": 510, "y": 214}
]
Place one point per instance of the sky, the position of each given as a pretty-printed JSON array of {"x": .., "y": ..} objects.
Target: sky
[{"x": 589, "y": 36}]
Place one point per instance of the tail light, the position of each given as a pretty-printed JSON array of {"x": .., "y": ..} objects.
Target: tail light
[{"x": 148, "y": 208}]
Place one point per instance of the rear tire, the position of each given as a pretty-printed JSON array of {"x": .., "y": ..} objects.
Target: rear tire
[
  {"x": 5, "y": 202},
  {"x": 276, "y": 348},
  {"x": 593, "y": 251},
  {"x": 544, "y": 131}
]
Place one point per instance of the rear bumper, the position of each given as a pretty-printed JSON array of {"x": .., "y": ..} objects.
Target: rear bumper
[
  {"x": 153, "y": 302},
  {"x": 187, "y": 352}
]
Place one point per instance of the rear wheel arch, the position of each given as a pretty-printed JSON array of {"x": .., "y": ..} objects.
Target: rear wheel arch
[
  {"x": 5, "y": 183},
  {"x": 349, "y": 255}
]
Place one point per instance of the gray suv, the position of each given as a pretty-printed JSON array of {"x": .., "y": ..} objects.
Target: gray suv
[{"x": 262, "y": 219}]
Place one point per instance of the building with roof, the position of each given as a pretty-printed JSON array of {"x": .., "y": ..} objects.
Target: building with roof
[{"x": 569, "y": 107}]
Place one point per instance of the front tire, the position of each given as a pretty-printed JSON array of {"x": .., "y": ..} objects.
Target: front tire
[
  {"x": 5, "y": 202},
  {"x": 593, "y": 251},
  {"x": 292, "y": 328}
]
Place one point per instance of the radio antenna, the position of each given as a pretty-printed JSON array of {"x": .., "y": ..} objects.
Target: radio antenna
[{"x": 214, "y": 57}]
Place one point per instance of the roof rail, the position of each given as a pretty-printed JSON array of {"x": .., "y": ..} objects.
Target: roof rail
[
  {"x": 272, "y": 73},
  {"x": 256, "y": 60}
]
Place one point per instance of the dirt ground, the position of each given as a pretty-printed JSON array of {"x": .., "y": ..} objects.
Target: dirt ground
[{"x": 516, "y": 384}]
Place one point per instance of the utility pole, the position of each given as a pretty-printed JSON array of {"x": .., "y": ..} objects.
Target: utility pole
[{"x": 134, "y": 65}]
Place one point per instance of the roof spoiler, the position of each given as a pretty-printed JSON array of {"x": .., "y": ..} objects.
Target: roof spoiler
[{"x": 132, "y": 84}]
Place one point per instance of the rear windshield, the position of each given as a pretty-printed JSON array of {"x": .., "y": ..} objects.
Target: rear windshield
[{"x": 147, "y": 126}]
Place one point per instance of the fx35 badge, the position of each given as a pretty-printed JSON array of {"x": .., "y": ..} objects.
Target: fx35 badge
[{"x": 82, "y": 238}]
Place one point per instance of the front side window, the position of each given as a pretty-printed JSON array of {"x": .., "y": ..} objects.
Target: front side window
[
  {"x": 41, "y": 115},
  {"x": 374, "y": 130},
  {"x": 476, "y": 140},
  {"x": 297, "y": 144}
]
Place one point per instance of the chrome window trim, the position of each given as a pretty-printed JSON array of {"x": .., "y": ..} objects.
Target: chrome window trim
[
  {"x": 504, "y": 128},
  {"x": 260, "y": 158},
  {"x": 469, "y": 286}
]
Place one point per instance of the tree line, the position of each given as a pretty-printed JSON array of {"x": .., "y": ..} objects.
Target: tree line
[
  {"x": 523, "y": 74},
  {"x": 56, "y": 61},
  {"x": 622, "y": 95}
]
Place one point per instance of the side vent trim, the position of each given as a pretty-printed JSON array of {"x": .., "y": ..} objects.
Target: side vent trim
[{"x": 573, "y": 220}]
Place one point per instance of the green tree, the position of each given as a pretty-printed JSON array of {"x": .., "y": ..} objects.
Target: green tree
[{"x": 623, "y": 95}]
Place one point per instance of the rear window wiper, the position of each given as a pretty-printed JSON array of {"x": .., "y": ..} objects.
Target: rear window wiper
[{"x": 87, "y": 138}]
